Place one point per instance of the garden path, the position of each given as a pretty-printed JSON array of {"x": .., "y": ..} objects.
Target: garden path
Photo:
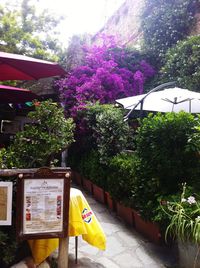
[{"x": 125, "y": 247}]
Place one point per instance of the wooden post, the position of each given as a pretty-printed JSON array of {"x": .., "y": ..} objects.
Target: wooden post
[{"x": 63, "y": 252}]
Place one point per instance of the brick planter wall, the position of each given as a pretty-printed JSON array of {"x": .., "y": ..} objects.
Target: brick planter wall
[
  {"x": 126, "y": 213},
  {"x": 98, "y": 193}
]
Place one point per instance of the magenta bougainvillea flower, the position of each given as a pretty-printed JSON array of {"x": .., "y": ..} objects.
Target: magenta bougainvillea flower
[{"x": 108, "y": 73}]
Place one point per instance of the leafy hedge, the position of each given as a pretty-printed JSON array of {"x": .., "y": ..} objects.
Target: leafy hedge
[
  {"x": 182, "y": 63},
  {"x": 104, "y": 135},
  {"x": 111, "y": 133},
  {"x": 121, "y": 177},
  {"x": 165, "y": 156},
  {"x": 90, "y": 167},
  {"x": 162, "y": 146}
]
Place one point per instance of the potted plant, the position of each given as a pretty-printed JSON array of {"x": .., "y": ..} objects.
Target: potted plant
[{"x": 184, "y": 216}]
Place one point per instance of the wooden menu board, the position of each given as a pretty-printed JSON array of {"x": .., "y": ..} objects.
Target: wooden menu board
[
  {"x": 43, "y": 204},
  {"x": 5, "y": 203}
]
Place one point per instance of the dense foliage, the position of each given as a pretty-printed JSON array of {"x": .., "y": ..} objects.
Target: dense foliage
[
  {"x": 182, "y": 63},
  {"x": 166, "y": 158},
  {"x": 166, "y": 22},
  {"x": 166, "y": 155},
  {"x": 39, "y": 143},
  {"x": 111, "y": 133},
  {"x": 104, "y": 135},
  {"x": 121, "y": 177},
  {"x": 108, "y": 73},
  {"x": 91, "y": 167}
]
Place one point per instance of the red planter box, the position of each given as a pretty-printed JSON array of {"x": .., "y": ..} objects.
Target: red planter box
[
  {"x": 88, "y": 185},
  {"x": 109, "y": 201},
  {"x": 148, "y": 229},
  {"x": 98, "y": 193},
  {"x": 126, "y": 214},
  {"x": 77, "y": 178}
]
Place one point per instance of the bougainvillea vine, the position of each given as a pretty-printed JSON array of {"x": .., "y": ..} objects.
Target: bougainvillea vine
[{"x": 108, "y": 73}]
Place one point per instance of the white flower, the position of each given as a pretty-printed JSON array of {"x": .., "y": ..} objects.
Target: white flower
[
  {"x": 191, "y": 200},
  {"x": 198, "y": 218},
  {"x": 183, "y": 200}
]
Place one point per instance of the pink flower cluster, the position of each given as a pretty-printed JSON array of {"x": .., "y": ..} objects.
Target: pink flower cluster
[{"x": 105, "y": 76}]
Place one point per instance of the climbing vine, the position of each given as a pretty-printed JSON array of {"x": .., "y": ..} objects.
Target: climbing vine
[{"x": 166, "y": 22}]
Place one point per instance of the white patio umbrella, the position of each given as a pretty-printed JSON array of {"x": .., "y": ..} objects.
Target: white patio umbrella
[{"x": 167, "y": 100}]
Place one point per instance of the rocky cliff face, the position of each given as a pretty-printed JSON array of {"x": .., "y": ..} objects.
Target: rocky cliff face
[
  {"x": 196, "y": 29},
  {"x": 125, "y": 24}
]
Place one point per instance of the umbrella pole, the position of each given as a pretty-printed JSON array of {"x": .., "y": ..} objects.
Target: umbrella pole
[
  {"x": 141, "y": 108},
  {"x": 142, "y": 100}
]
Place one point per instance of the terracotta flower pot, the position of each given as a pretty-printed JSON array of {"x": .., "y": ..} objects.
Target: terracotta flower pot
[
  {"x": 77, "y": 178},
  {"x": 126, "y": 214},
  {"x": 98, "y": 193},
  {"x": 88, "y": 185},
  {"x": 148, "y": 229},
  {"x": 109, "y": 201}
]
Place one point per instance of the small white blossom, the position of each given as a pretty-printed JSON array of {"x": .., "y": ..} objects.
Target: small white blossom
[
  {"x": 183, "y": 200},
  {"x": 198, "y": 218},
  {"x": 191, "y": 200}
]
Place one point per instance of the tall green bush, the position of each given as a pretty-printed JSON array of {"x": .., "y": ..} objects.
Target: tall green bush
[
  {"x": 91, "y": 168},
  {"x": 182, "y": 63},
  {"x": 121, "y": 177},
  {"x": 111, "y": 133},
  {"x": 166, "y": 159},
  {"x": 162, "y": 142},
  {"x": 103, "y": 129}
]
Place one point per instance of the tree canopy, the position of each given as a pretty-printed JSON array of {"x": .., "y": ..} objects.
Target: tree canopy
[{"x": 24, "y": 30}]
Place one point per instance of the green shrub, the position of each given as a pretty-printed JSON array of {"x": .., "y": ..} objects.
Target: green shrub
[
  {"x": 162, "y": 144},
  {"x": 105, "y": 135},
  {"x": 41, "y": 141},
  {"x": 165, "y": 159},
  {"x": 182, "y": 63},
  {"x": 91, "y": 168},
  {"x": 111, "y": 133},
  {"x": 121, "y": 177}
]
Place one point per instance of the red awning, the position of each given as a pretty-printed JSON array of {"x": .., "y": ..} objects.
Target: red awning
[
  {"x": 15, "y": 95},
  {"x": 20, "y": 67}
]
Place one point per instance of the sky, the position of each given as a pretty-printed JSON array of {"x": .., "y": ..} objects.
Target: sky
[{"x": 81, "y": 16}]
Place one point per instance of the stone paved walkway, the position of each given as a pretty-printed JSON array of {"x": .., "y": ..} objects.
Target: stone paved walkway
[{"x": 125, "y": 247}]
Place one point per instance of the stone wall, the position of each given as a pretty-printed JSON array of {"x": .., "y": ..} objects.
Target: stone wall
[
  {"x": 196, "y": 29},
  {"x": 125, "y": 24}
]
